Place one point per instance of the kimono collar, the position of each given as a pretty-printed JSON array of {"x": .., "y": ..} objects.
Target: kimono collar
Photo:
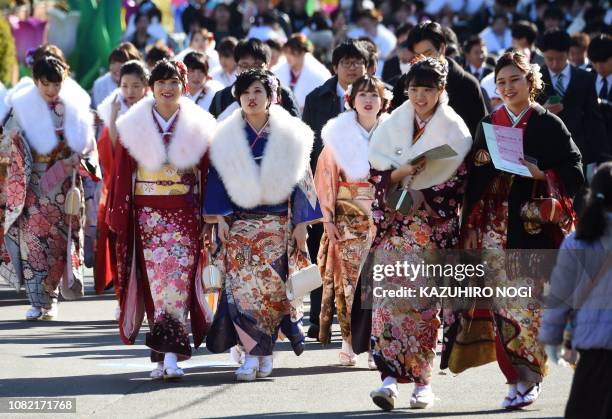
[
  {"x": 285, "y": 161},
  {"x": 34, "y": 118},
  {"x": 140, "y": 135}
]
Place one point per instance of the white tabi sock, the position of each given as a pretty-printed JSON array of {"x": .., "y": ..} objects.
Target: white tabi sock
[
  {"x": 347, "y": 348},
  {"x": 170, "y": 360},
  {"x": 390, "y": 382}
]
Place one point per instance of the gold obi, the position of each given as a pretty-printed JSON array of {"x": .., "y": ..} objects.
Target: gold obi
[
  {"x": 354, "y": 198},
  {"x": 59, "y": 153},
  {"x": 166, "y": 181}
]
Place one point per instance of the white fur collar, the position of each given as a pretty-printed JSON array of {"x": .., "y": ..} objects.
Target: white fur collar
[
  {"x": 391, "y": 143},
  {"x": 313, "y": 75},
  {"x": 344, "y": 137},
  {"x": 140, "y": 136},
  {"x": 285, "y": 161},
  {"x": 34, "y": 118}
]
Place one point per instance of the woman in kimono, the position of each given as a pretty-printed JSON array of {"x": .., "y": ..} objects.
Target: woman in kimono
[
  {"x": 52, "y": 146},
  {"x": 346, "y": 197},
  {"x": 261, "y": 195},
  {"x": 133, "y": 84},
  {"x": 404, "y": 335},
  {"x": 493, "y": 223},
  {"x": 159, "y": 177},
  {"x": 301, "y": 72}
]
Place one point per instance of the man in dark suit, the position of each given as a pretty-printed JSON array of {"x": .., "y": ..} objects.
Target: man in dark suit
[
  {"x": 464, "y": 94},
  {"x": 349, "y": 61},
  {"x": 569, "y": 94},
  {"x": 475, "y": 52},
  {"x": 600, "y": 56},
  {"x": 251, "y": 54}
]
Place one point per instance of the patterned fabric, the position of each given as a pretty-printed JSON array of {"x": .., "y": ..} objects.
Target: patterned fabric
[
  {"x": 169, "y": 242},
  {"x": 403, "y": 338},
  {"x": 257, "y": 260},
  {"x": 347, "y": 205},
  {"x": 36, "y": 226}
]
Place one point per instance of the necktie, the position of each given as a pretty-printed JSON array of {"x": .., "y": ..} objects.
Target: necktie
[
  {"x": 559, "y": 85},
  {"x": 477, "y": 74},
  {"x": 603, "y": 93}
]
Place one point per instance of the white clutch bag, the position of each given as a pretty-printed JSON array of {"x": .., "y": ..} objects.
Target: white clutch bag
[
  {"x": 302, "y": 282},
  {"x": 212, "y": 279},
  {"x": 72, "y": 203}
]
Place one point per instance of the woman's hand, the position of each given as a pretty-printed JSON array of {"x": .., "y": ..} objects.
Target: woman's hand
[
  {"x": 535, "y": 171},
  {"x": 332, "y": 232},
  {"x": 71, "y": 163},
  {"x": 223, "y": 230},
  {"x": 470, "y": 240},
  {"x": 411, "y": 169},
  {"x": 300, "y": 234},
  {"x": 115, "y": 107}
]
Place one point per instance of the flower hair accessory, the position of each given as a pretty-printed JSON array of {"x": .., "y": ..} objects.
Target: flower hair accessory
[
  {"x": 181, "y": 67},
  {"x": 29, "y": 57},
  {"x": 273, "y": 84}
]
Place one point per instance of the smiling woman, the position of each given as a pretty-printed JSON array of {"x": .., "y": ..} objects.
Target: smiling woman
[{"x": 160, "y": 170}]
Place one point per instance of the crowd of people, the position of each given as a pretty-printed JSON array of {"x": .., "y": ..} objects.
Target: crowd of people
[{"x": 270, "y": 139}]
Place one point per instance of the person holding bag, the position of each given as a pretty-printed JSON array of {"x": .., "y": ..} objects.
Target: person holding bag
[
  {"x": 261, "y": 195},
  {"x": 52, "y": 149},
  {"x": 154, "y": 212},
  {"x": 346, "y": 199},
  {"x": 404, "y": 336},
  {"x": 505, "y": 211}
]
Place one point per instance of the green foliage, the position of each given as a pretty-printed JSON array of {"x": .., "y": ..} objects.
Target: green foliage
[{"x": 7, "y": 51}]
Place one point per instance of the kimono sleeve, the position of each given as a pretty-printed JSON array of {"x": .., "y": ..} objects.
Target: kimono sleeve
[
  {"x": 216, "y": 199},
  {"x": 305, "y": 207},
  {"x": 326, "y": 183}
]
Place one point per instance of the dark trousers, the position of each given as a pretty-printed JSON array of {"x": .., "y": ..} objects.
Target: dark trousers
[
  {"x": 314, "y": 240},
  {"x": 591, "y": 396}
]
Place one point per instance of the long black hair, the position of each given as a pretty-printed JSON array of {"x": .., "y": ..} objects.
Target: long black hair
[{"x": 592, "y": 222}]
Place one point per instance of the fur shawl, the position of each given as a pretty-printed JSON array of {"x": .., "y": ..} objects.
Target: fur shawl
[
  {"x": 285, "y": 161},
  {"x": 344, "y": 138},
  {"x": 391, "y": 144},
  {"x": 34, "y": 118},
  {"x": 313, "y": 75},
  {"x": 141, "y": 138}
]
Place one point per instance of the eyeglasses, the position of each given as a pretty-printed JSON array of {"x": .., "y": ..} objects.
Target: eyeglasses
[
  {"x": 247, "y": 66},
  {"x": 352, "y": 63}
]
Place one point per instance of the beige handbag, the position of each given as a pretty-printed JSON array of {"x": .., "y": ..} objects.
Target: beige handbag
[
  {"x": 302, "y": 282},
  {"x": 212, "y": 279},
  {"x": 72, "y": 203}
]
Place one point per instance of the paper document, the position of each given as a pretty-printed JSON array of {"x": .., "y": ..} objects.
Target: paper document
[
  {"x": 440, "y": 152},
  {"x": 506, "y": 148}
]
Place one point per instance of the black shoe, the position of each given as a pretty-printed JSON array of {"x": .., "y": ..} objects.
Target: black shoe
[
  {"x": 298, "y": 348},
  {"x": 313, "y": 331}
]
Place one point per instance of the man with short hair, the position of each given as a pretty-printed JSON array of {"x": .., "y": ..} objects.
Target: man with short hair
[
  {"x": 600, "y": 55},
  {"x": 248, "y": 54},
  {"x": 524, "y": 34},
  {"x": 475, "y": 52},
  {"x": 568, "y": 93},
  {"x": 107, "y": 83},
  {"x": 349, "y": 62},
  {"x": 464, "y": 94}
]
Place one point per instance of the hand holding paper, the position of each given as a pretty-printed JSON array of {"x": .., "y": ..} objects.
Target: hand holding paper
[{"x": 506, "y": 148}]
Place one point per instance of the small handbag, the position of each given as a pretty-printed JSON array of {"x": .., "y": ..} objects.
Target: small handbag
[
  {"x": 546, "y": 208},
  {"x": 302, "y": 282},
  {"x": 212, "y": 279},
  {"x": 400, "y": 200},
  {"x": 72, "y": 203}
]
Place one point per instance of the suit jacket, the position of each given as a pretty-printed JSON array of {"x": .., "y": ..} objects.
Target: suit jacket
[
  {"x": 486, "y": 69},
  {"x": 581, "y": 114},
  {"x": 223, "y": 98},
  {"x": 321, "y": 105},
  {"x": 465, "y": 96},
  {"x": 391, "y": 69}
]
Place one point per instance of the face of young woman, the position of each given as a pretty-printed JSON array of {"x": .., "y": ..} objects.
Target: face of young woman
[
  {"x": 294, "y": 59},
  {"x": 168, "y": 91},
  {"x": 196, "y": 78},
  {"x": 49, "y": 90},
  {"x": 424, "y": 99},
  {"x": 199, "y": 42},
  {"x": 254, "y": 100},
  {"x": 512, "y": 86},
  {"x": 132, "y": 88},
  {"x": 367, "y": 103}
]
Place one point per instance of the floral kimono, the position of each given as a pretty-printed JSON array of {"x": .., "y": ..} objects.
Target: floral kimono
[
  {"x": 404, "y": 337},
  {"x": 346, "y": 199},
  {"x": 160, "y": 169},
  {"x": 262, "y": 182},
  {"x": 37, "y": 232},
  {"x": 493, "y": 202}
]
